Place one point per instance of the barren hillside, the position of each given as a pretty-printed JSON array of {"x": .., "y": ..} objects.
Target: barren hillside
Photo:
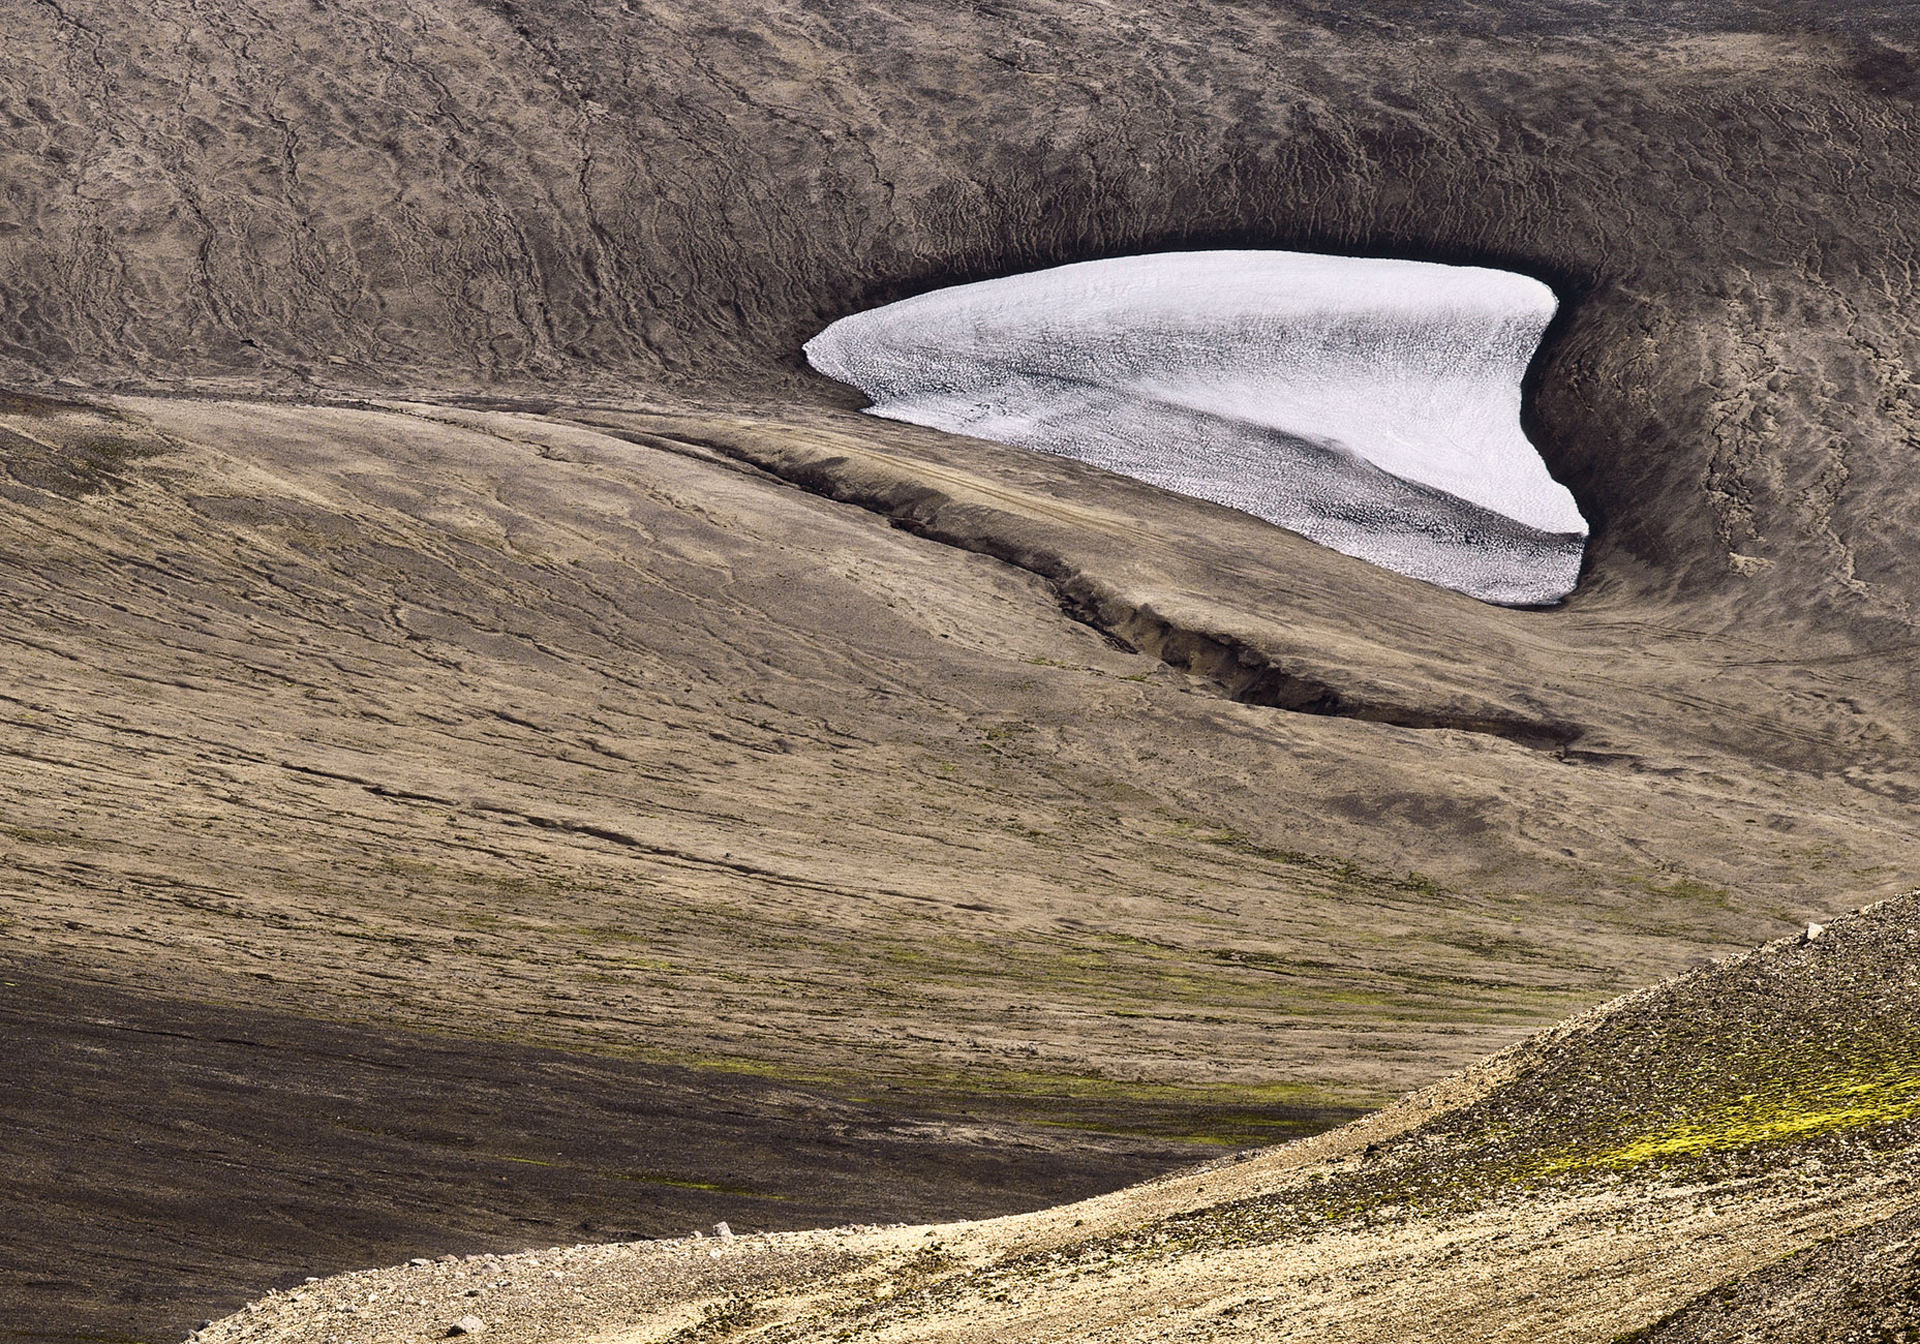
[
  {"x": 459, "y": 194},
  {"x": 1728, "y": 1157},
  {"x": 436, "y": 602}
]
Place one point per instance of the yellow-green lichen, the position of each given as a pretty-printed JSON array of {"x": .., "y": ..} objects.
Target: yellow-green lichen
[{"x": 1846, "y": 1099}]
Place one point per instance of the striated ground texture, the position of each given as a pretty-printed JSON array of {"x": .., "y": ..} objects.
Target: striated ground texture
[{"x": 457, "y": 663}]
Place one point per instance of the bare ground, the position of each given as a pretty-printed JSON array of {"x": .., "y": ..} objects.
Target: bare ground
[
  {"x": 882, "y": 764},
  {"x": 434, "y": 598},
  {"x": 507, "y": 726},
  {"x": 271, "y": 1147},
  {"x": 1545, "y": 1195}
]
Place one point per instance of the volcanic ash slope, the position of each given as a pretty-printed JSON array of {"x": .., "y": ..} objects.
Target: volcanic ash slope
[
  {"x": 1632, "y": 1167},
  {"x": 1371, "y": 405}
]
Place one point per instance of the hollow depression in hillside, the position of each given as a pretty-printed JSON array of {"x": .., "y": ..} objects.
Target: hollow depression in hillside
[
  {"x": 1370, "y": 405},
  {"x": 483, "y": 725}
]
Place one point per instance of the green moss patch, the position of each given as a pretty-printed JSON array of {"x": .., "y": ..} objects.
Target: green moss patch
[{"x": 1851, "y": 1095}]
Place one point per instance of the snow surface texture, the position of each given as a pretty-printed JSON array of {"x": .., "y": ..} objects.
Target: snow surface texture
[{"x": 1373, "y": 406}]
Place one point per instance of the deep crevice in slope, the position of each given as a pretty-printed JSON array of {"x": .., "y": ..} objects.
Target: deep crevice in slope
[
  {"x": 1253, "y": 677},
  {"x": 1240, "y": 669}
]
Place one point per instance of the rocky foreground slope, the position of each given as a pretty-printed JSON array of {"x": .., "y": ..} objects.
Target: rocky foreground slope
[{"x": 1733, "y": 1155}]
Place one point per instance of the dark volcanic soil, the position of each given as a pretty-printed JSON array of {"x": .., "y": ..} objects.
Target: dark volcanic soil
[
  {"x": 1726, "y": 1158},
  {"x": 612, "y": 739},
  {"x": 161, "y": 1161},
  {"x": 1862, "y": 1286}
]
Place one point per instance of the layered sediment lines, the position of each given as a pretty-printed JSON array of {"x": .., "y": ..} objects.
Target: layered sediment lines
[
  {"x": 912, "y": 766},
  {"x": 493, "y": 723},
  {"x": 561, "y": 195}
]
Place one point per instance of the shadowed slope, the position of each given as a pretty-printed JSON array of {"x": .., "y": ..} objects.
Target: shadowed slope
[
  {"x": 1521, "y": 1199},
  {"x": 166, "y": 1157}
]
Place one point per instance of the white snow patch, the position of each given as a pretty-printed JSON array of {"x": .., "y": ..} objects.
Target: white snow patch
[{"x": 1373, "y": 405}]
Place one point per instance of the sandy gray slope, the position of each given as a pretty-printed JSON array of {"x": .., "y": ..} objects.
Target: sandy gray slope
[
  {"x": 1863, "y": 1284},
  {"x": 511, "y": 724},
  {"x": 896, "y": 765},
  {"x": 593, "y": 730}
]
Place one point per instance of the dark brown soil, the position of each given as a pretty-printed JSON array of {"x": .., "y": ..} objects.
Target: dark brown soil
[
  {"x": 556, "y": 194},
  {"x": 162, "y": 1161},
  {"x": 506, "y": 726}
]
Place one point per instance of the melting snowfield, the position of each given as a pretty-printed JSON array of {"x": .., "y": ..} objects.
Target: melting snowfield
[{"x": 1372, "y": 406}]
